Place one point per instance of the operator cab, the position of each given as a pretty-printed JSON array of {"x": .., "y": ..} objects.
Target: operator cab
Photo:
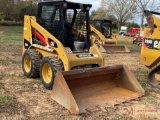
[{"x": 67, "y": 21}]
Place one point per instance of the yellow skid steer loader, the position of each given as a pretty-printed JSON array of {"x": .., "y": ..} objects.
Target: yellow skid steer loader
[
  {"x": 150, "y": 51},
  {"x": 102, "y": 35},
  {"x": 56, "y": 48}
]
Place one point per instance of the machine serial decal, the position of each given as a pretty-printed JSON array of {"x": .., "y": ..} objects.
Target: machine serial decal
[
  {"x": 152, "y": 43},
  {"x": 86, "y": 55}
]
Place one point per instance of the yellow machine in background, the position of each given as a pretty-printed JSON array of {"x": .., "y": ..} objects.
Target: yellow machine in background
[
  {"x": 150, "y": 51},
  {"x": 137, "y": 39},
  {"x": 101, "y": 31},
  {"x": 56, "y": 47}
]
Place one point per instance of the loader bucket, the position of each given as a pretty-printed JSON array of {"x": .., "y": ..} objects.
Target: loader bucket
[
  {"x": 115, "y": 48},
  {"x": 83, "y": 91}
]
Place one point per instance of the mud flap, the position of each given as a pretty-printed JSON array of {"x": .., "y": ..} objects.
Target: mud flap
[
  {"x": 88, "y": 90},
  {"x": 115, "y": 48}
]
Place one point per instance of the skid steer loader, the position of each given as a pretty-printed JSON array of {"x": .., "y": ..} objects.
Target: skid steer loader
[
  {"x": 56, "y": 47},
  {"x": 150, "y": 51},
  {"x": 102, "y": 31}
]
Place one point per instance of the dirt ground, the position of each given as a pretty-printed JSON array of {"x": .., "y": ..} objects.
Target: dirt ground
[{"x": 25, "y": 98}]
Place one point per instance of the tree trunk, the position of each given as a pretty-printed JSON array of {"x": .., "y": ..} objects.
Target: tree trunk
[{"x": 142, "y": 20}]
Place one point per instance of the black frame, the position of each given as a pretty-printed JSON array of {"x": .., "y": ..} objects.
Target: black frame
[{"x": 62, "y": 8}]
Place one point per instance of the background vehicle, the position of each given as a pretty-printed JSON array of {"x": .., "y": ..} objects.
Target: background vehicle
[
  {"x": 150, "y": 50},
  {"x": 137, "y": 39},
  {"x": 56, "y": 45},
  {"x": 101, "y": 29},
  {"x": 132, "y": 32},
  {"x": 123, "y": 30}
]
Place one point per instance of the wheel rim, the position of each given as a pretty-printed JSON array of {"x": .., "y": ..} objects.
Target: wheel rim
[
  {"x": 27, "y": 63},
  {"x": 47, "y": 73},
  {"x": 156, "y": 79}
]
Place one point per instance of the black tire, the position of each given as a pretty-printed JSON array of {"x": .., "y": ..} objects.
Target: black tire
[
  {"x": 134, "y": 41},
  {"x": 151, "y": 76},
  {"x": 48, "y": 69},
  {"x": 31, "y": 66},
  {"x": 139, "y": 44}
]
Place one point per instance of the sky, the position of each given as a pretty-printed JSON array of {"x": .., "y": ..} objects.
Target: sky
[{"x": 96, "y": 5}]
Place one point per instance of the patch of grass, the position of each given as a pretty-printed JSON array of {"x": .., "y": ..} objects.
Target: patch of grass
[
  {"x": 37, "y": 81},
  {"x": 12, "y": 35},
  {"x": 125, "y": 43},
  {"x": 141, "y": 71},
  {"x": 12, "y": 28},
  {"x": 9, "y": 61},
  {"x": 122, "y": 117},
  {"x": 22, "y": 76},
  {"x": 6, "y": 99},
  {"x": 1, "y": 85},
  {"x": 79, "y": 118},
  {"x": 150, "y": 99},
  {"x": 4, "y": 74},
  {"x": 130, "y": 45}
]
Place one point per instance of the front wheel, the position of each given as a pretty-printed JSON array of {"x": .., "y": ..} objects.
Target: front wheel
[{"x": 48, "y": 69}]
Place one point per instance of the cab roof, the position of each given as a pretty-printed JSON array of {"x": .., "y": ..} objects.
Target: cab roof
[{"x": 70, "y": 4}]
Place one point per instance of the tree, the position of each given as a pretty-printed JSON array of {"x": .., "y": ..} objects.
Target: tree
[
  {"x": 29, "y": 9},
  {"x": 146, "y": 4},
  {"x": 122, "y": 10},
  {"x": 93, "y": 13},
  {"x": 132, "y": 24},
  {"x": 11, "y": 9},
  {"x": 18, "y": 6},
  {"x": 6, "y": 8},
  {"x": 100, "y": 12}
]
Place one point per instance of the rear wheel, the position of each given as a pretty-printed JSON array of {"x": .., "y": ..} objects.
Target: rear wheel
[
  {"x": 31, "y": 63},
  {"x": 48, "y": 69},
  {"x": 134, "y": 41},
  {"x": 139, "y": 44},
  {"x": 154, "y": 76}
]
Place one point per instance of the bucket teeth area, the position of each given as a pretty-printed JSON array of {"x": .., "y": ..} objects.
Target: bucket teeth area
[
  {"x": 110, "y": 104},
  {"x": 91, "y": 103},
  {"x": 85, "y": 91}
]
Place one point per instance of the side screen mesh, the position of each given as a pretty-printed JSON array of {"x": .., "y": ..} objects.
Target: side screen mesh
[
  {"x": 50, "y": 20},
  {"x": 78, "y": 18}
]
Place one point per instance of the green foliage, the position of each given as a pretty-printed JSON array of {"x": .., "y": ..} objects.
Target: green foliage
[
  {"x": 124, "y": 42},
  {"x": 114, "y": 30},
  {"x": 93, "y": 13},
  {"x": 6, "y": 99},
  {"x": 132, "y": 24},
  {"x": 12, "y": 35},
  {"x": 141, "y": 71},
  {"x": 31, "y": 10},
  {"x": 13, "y": 10},
  {"x": 1, "y": 85}
]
